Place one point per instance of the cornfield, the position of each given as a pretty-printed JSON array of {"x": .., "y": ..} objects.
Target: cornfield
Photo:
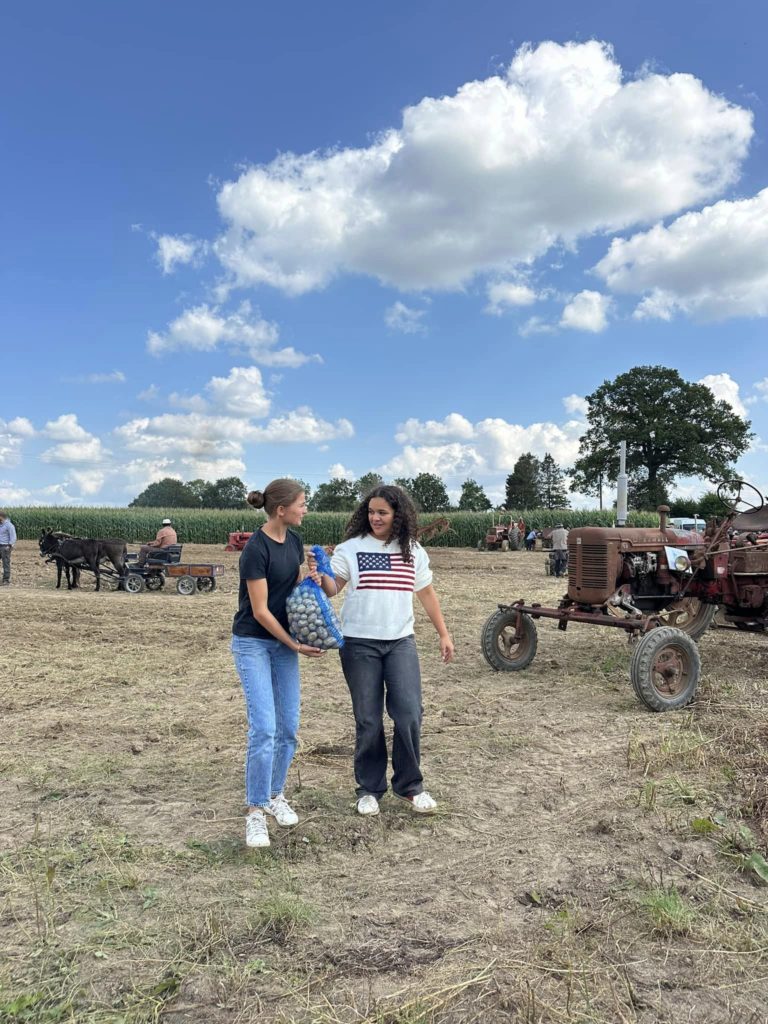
[{"x": 211, "y": 526}]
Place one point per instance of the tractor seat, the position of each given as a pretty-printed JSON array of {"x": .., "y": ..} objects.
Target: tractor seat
[{"x": 165, "y": 556}]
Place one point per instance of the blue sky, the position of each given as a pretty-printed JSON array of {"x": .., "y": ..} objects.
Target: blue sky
[{"x": 317, "y": 240}]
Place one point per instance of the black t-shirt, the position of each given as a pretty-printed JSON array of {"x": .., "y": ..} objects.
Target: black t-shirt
[{"x": 278, "y": 564}]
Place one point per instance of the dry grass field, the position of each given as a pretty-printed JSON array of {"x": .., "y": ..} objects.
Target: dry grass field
[{"x": 591, "y": 861}]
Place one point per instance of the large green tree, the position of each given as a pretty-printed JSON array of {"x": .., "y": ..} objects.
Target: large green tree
[
  {"x": 552, "y": 489},
  {"x": 473, "y": 497},
  {"x": 166, "y": 493},
  {"x": 672, "y": 427},
  {"x": 338, "y": 495},
  {"x": 523, "y": 487},
  {"x": 367, "y": 482},
  {"x": 429, "y": 493},
  {"x": 227, "y": 492}
]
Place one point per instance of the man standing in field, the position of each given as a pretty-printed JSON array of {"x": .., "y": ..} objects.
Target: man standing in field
[
  {"x": 560, "y": 549},
  {"x": 166, "y": 536},
  {"x": 7, "y": 540}
]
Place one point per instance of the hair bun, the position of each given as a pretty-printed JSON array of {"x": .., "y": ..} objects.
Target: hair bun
[{"x": 255, "y": 499}]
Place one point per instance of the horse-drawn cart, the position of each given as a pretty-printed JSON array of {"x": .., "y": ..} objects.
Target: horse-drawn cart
[{"x": 190, "y": 577}]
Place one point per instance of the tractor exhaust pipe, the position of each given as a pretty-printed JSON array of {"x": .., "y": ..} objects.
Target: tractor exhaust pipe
[{"x": 621, "y": 486}]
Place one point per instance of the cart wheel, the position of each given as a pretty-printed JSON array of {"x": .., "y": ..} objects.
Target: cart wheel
[
  {"x": 156, "y": 581},
  {"x": 186, "y": 585},
  {"x": 134, "y": 584},
  {"x": 206, "y": 584},
  {"x": 505, "y": 545},
  {"x": 665, "y": 669},
  {"x": 502, "y": 648}
]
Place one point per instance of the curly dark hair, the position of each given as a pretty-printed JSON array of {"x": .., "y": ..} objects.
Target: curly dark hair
[{"x": 403, "y": 524}]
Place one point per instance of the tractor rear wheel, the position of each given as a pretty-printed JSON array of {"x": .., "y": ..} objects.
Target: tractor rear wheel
[
  {"x": 502, "y": 648},
  {"x": 665, "y": 669},
  {"x": 691, "y": 615}
]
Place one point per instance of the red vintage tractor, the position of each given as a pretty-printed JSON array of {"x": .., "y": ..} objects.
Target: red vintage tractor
[
  {"x": 661, "y": 586},
  {"x": 500, "y": 536}
]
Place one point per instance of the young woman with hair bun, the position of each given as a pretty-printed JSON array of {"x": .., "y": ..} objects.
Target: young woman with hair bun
[{"x": 266, "y": 655}]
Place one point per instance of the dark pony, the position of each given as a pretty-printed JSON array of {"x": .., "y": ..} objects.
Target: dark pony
[{"x": 404, "y": 524}]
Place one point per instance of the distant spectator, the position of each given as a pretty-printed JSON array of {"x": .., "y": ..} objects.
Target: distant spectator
[
  {"x": 530, "y": 541},
  {"x": 166, "y": 536},
  {"x": 7, "y": 540},
  {"x": 521, "y": 526},
  {"x": 560, "y": 549}
]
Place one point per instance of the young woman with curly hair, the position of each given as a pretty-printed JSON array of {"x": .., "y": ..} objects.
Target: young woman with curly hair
[{"x": 382, "y": 565}]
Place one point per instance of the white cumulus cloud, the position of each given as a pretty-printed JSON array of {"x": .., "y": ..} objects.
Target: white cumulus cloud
[
  {"x": 508, "y": 295},
  {"x": 725, "y": 388},
  {"x": 405, "y": 319},
  {"x": 712, "y": 264},
  {"x": 557, "y": 147},
  {"x": 577, "y": 405},
  {"x": 175, "y": 250},
  {"x": 454, "y": 426},
  {"x": 587, "y": 311},
  {"x": 241, "y": 392},
  {"x": 490, "y": 447},
  {"x": 66, "y": 428},
  {"x": 338, "y": 471},
  {"x": 204, "y": 328}
]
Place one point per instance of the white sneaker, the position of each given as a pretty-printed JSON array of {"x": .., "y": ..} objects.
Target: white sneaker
[
  {"x": 421, "y": 803},
  {"x": 368, "y": 804},
  {"x": 282, "y": 811},
  {"x": 256, "y": 833}
]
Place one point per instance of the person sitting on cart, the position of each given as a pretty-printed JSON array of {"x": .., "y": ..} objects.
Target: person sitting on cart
[{"x": 166, "y": 536}]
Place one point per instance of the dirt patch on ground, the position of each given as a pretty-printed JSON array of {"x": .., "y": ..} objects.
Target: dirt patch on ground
[{"x": 590, "y": 861}]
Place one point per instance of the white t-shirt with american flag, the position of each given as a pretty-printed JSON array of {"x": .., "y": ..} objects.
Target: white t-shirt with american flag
[{"x": 378, "y": 601}]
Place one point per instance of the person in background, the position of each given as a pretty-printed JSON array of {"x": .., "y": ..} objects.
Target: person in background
[
  {"x": 166, "y": 536},
  {"x": 521, "y": 526},
  {"x": 530, "y": 540},
  {"x": 267, "y": 657},
  {"x": 560, "y": 549},
  {"x": 382, "y": 565},
  {"x": 7, "y": 540}
]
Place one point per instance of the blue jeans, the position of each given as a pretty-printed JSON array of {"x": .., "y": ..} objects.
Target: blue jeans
[
  {"x": 269, "y": 672},
  {"x": 380, "y": 672}
]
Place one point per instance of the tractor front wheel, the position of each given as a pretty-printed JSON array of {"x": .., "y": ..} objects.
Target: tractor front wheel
[
  {"x": 691, "y": 615},
  {"x": 665, "y": 669},
  {"x": 503, "y": 647},
  {"x": 505, "y": 545}
]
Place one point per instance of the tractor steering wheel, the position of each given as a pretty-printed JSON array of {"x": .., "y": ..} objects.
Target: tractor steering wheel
[{"x": 731, "y": 494}]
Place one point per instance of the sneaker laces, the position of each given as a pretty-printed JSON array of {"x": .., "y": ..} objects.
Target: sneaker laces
[{"x": 256, "y": 824}]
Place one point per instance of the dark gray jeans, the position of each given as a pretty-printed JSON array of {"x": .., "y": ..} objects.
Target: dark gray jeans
[
  {"x": 380, "y": 672},
  {"x": 5, "y": 555}
]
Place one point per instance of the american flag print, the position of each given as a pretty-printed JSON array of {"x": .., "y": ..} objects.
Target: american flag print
[{"x": 384, "y": 572}]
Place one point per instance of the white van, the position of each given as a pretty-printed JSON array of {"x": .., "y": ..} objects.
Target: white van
[{"x": 695, "y": 525}]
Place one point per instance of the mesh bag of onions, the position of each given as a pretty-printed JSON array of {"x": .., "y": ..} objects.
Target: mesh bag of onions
[{"x": 311, "y": 618}]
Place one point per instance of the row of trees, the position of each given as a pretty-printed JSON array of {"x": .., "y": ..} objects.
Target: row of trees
[{"x": 672, "y": 428}]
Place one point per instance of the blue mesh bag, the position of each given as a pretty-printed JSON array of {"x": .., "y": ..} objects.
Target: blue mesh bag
[{"x": 311, "y": 618}]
